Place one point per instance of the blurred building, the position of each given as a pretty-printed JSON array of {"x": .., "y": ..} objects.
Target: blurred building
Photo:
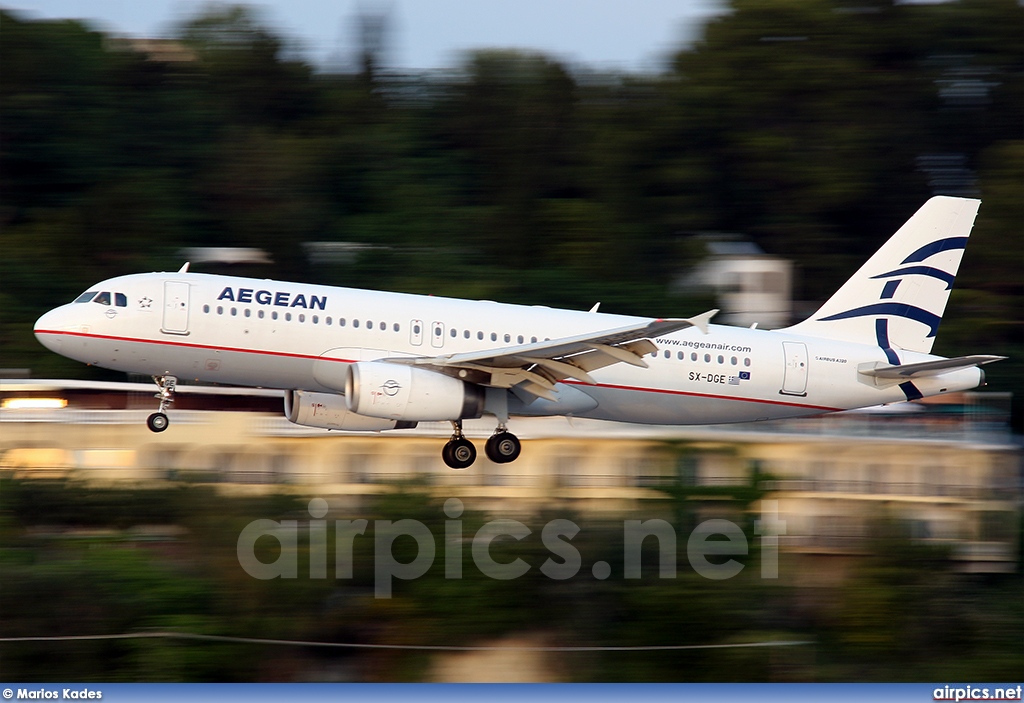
[
  {"x": 751, "y": 287},
  {"x": 949, "y": 472}
]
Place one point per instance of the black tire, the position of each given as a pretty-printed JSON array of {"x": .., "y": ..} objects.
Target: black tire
[
  {"x": 157, "y": 422},
  {"x": 503, "y": 447},
  {"x": 459, "y": 453}
]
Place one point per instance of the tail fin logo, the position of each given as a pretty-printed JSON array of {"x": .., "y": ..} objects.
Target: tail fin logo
[
  {"x": 906, "y": 282},
  {"x": 936, "y": 248}
]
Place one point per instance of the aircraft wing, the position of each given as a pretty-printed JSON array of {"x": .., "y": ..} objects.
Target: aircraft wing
[
  {"x": 929, "y": 368},
  {"x": 535, "y": 368}
]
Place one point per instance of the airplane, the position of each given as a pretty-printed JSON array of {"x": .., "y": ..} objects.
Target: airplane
[{"x": 361, "y": 360}]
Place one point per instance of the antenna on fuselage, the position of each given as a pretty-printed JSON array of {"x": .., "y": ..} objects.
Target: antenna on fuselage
[{"x": 184, "y": 268}]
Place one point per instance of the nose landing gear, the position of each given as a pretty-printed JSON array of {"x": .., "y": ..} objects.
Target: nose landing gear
[{"x": 158, "y": 421}]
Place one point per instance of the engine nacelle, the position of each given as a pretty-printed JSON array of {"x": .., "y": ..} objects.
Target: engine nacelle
[
  {"x": 329, "y": 411},
  {"x": 402, "y": 392}
]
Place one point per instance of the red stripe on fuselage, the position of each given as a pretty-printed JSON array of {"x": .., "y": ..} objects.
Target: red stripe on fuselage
[{"x": 175, "y": 343}]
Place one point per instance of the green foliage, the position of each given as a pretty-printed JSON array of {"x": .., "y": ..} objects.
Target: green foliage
[{"x": 900, "y": 614}]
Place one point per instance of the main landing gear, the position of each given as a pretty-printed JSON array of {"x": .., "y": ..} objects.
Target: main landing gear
[
  {"x": 158, "y": 422},
  {"x": 501, "y": 448}
]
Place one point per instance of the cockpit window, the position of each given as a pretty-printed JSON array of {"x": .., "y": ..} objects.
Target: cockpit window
[
  {"x": 103, "y": 298},
  {"x": 121, "y": 300},
  {"x": 85, "y": 297}
]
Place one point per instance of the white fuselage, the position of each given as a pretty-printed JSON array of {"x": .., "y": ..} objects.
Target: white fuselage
[{"x": 275, "y": 334}]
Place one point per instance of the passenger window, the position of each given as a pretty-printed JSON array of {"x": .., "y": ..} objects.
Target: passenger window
[
  {"x": 121, "y": 300},
  {"x": 85, "y": 297},
  {"x": 103, "y": 298}
]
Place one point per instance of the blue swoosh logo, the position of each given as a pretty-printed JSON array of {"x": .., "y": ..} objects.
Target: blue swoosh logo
[
  {"x": 897, "y": 309},
  {"x": 946, "y": 278},
  {"x": 935, "y": 248}
]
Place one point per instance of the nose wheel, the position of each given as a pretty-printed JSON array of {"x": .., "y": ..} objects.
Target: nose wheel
[{"x": 158, "y": 421}]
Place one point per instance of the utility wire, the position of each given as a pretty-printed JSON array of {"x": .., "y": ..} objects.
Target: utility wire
[{"x": 422, "y": 647}]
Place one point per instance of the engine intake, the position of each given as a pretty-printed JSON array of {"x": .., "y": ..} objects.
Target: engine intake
[
  {"x": 329, "y": 411},
  {"x": 402, "y": 392}
]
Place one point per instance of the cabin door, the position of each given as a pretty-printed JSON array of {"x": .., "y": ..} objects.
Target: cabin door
[
  {"x": 175, "y": 307},
  {"x": 795, "y": 380}
]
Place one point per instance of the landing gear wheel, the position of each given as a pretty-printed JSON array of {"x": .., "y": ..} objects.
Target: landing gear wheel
[
  {"x": 157, "y": 422},
  {"x": 459, "y": 453},
  {"x": 503, "y": 447}
]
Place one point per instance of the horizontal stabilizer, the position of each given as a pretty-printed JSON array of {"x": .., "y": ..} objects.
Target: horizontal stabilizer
[{"x": 927, "y": 368}]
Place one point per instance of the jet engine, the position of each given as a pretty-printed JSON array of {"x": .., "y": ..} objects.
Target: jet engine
[
  {"x": 329, "y": 411},
  {"x": 402, "y": 392}
]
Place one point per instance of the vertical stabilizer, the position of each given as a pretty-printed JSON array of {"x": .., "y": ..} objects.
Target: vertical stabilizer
[{"x": 897, "y": 299}]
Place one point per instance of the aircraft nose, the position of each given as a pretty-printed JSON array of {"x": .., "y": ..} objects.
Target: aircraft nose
[{"x": 47, "y": 330}]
